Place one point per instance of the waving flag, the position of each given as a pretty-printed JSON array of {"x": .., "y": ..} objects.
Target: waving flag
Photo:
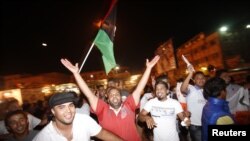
[{"x": 105, "y": 37}]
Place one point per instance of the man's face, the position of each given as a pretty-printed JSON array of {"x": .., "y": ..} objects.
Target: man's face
[
  {"x": 225, "y": 76},
  {"x": 114, "y": 98},
  {"x": 161, "y": 91},
  {"x": 199, "y": 80},
  {"x": 102, "y": 91},
  {"x": 64, "y": 113},
  {"x": 18, "y": 124}
]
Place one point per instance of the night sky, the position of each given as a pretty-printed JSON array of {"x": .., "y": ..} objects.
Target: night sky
[{"x": 68, "y": 29}]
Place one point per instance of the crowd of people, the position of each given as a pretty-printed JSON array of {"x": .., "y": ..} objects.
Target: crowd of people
[{"x": 153, "y": 111}]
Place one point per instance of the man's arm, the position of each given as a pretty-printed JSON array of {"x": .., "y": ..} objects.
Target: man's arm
[
  {"x": 92, "y": 98},
  {"x": 144, "y": 117},
  {"x": 107, "y": 136},
  {"x": 142, "y": 83},
  {"x": 224, "y": 120},
  {"x": 184, "y": 118},
  {"x": 184, "y": 85}
]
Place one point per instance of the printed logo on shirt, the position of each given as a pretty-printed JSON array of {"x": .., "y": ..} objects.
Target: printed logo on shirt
[
  {"x": 124, "y": 112},
  {"x": 160, "y": 111}
]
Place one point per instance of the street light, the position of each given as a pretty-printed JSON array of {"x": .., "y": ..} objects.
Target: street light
[
  {"x": 117, "y": 68},
  {"x": 223, "y": 29},
  {"x": 44, "y": 44}
]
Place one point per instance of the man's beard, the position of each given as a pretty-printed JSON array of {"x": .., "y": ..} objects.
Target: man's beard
[
  {"x": 161, "y": 97},
  {"x": 115, "y": 106}
]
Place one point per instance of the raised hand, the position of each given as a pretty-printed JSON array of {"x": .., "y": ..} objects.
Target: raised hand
[
  {"x": 152, "y": 62},
  {"x": 70, "y": 66},
  {"x": 142, "y": 83},
  {"x": 190, "y": 69}
]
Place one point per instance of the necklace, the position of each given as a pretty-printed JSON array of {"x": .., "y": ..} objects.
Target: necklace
[{"x": 68, "y": 137}]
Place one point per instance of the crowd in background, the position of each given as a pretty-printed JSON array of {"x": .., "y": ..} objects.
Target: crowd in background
[{"x": 153, "y": 110}]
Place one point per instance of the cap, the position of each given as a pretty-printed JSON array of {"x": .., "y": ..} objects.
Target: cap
[{"x": 60, "y": 98}]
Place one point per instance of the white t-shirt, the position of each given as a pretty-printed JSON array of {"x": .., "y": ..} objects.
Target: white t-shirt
[
  {"x": 164, "y": 114},
  {"x": 85, "y": 109},
  {"x": 145, "y": 98},
  {"x": 180, "y": 96},
  {"x": 195, "y": 104},
  {"x": 232, "y": 89},
  {"x": 83, "y": 128}
]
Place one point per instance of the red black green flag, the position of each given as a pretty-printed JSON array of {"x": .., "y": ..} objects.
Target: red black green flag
[{"x": 105, "y": 37}]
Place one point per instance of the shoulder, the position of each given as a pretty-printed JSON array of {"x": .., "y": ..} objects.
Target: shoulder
[
  {"x": 147, "y": 96},
  {"x": 155, "y": 99},
  {"x": 47, "y": 133},
  {"x": 48, "y": 129},
  {"x": 224, "y": 120},
  {"x": 82, "y": 118},
  {"x": 42, "y": 135},
  {"x": 151, "y": 102},
  {"x": 32, "y": 134},
  {"x": 234, "y": 87},
  {"x": 173, "y": 100}
]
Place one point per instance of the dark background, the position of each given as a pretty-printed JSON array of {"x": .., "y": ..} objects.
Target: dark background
[{"x": 68, "y": 29}]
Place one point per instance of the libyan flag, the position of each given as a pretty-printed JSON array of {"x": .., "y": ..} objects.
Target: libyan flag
[{"x": 105, "y": 37}]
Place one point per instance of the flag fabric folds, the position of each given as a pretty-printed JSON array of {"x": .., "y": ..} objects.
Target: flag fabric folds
[{"x": 105, "y": 37}]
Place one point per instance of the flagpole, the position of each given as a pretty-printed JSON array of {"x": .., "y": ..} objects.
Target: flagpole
[{"x": 92, "y": 45}]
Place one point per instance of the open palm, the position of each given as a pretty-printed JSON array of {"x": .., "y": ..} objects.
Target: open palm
[
  {"x": 70, "y": 66},
  {"x": 153, "y": 61}
]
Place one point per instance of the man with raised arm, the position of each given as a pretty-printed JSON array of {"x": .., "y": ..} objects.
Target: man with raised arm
[
  {"x": 195, "y": 100},
  {"x": 116, "y": 116}
]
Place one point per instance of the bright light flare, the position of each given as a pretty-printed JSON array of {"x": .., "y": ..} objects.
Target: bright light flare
[
  {"x": 204, "y": 68},
  {"x": 44, "y": 44},
  {"x": 223, "y": 29}
]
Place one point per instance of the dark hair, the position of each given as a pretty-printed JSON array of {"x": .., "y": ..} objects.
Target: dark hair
[
  {"x": 161, "y": 77},
  {"x": 10, "y": 114},
  {"x": 11, "y": 101},
  {"x": 219, "y": 72},
  {"x": 180, "y": 80},
  {"x": 80, "y": 99},
  {"x": 111, "y": 88},
  {"x": 197, "y": 73},
  {"x": 213, "y": 87},
  {"x": 112, "y": 80},
  {"x": 99, "y": 86},
  {"x": 148, "y": 89},
  {"x": 162, "y": 82}
]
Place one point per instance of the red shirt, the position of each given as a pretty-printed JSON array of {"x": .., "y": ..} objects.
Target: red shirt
[{"x": 123, "y": 124}]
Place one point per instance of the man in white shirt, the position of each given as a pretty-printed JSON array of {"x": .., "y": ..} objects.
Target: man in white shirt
[
  {"x": 69, "y": 126},
  {"x": 237, "y": 96},
  {"x": 164, "y": 111},
  {"x": 195, "y": 100}
]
